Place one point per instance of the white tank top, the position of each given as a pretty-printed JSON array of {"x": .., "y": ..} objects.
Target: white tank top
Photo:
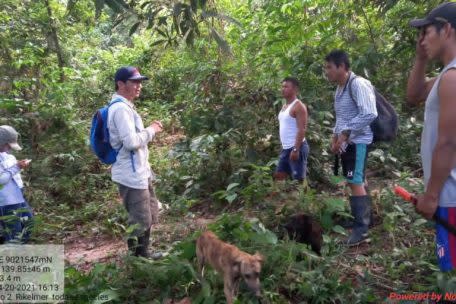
[{"x": 288, "y": 128}]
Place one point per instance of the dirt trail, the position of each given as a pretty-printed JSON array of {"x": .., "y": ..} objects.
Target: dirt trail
[{"x": 84, "y": 252}]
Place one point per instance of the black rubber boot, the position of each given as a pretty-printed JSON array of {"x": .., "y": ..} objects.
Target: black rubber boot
[
  {"x": 361, "y": 211},
  {"x": 346, "y": 223},
  {"x": 143, "y": 244},
  {"x": 132, "y": 245},
  {"x": 349, "y": 223}
]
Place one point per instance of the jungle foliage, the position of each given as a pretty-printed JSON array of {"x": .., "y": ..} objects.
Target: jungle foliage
[{"x": 215, "y": 69}]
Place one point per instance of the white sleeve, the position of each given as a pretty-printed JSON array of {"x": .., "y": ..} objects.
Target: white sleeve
[{"x": 124, "y": 121}]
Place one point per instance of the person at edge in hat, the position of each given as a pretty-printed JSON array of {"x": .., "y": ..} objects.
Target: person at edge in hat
[
  {"x": 132, "y": 171},
  {"x": 437, "y": 42},
  {"x": 17, "y": 214}
]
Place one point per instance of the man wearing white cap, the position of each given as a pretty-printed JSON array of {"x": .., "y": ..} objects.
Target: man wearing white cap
[{"x": 12, "y": 201}]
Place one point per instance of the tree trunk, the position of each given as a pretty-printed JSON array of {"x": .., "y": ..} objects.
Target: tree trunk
[{"x": 55, "y": 41}]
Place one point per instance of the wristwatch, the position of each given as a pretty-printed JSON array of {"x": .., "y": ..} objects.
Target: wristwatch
[{"x": 294, "y": 149}]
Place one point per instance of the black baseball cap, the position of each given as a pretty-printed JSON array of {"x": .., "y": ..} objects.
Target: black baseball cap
[
  {"x": 128, "y": 73},
  {"x": 445, "y": 12}
]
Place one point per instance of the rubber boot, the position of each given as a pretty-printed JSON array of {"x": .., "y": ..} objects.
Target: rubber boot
[
  {"x": 346, "y": 223},
  {"x": 143, "y": 244},
  {"x": 361, "y": 211},
  {"x": 132, "y": 245},
  {"x": 349, "y": 223}
]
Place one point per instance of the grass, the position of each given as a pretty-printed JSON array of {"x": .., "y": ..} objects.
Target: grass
[{"x": 400, "y": 258}]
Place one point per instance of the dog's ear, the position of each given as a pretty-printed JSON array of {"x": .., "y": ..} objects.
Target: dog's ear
[{"x": 259, "y": 257}]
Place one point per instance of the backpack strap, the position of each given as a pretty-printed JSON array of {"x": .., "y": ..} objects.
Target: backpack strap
[
  {"x": 114, "y": 101},
  {"x": 109, "y": 105}
]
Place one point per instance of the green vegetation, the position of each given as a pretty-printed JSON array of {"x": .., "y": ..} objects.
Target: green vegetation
[{"x": 215, "y": 69}]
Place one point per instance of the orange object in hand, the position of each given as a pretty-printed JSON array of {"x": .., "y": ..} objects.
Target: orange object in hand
[{"x": 407, "y": 196}]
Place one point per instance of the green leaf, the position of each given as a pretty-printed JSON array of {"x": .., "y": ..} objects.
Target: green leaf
[
  {"x": 334, "y": 204},
  {"x": 420, "y": 222},
  {"x": 188, "y": 250},
  {"x": 267, "y": 237},
  {"x": 230, "y": 198},
  {"x": 99, "y": 4},
  {"x": 163, "y": 34},
  {"x": 134, "y": 28},
  {"x": 151, "y": 17},
  {"x": 336, "y": 179},
  {"x": 231, "y": 186},
  {"x": 339, "y": 229},
  {"x": 70, "y": 6},
  {"x": 160, "y": 41},
  {"x": 326, "y": 220}
]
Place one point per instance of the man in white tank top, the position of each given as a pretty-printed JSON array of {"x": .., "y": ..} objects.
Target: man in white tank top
[
  {"x": 437, "y": 41},
  {"x": 293, "y": 124}
]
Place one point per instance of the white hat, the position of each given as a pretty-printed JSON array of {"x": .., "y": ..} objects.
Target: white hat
[{"x": 9, "y": 136}]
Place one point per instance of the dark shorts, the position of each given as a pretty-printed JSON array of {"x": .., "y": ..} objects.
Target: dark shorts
[
  {"x": 445, "y": 241},
  {"x": 354, "y": 163},
  {"x": 142, "y": 207},
  {"x": 296, "y": 169}
]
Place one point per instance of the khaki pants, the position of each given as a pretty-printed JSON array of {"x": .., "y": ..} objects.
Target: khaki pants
[{"x": 142, "y": 207}]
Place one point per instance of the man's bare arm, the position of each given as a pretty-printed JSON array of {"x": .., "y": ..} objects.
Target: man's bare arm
[
  {"x": 444, "y": 155},
  {"x": 418, "y": 87},
  {"x": 300, "y": 112}
]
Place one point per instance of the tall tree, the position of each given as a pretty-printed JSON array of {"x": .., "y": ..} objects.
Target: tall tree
[{"x": 53, "y": 41}]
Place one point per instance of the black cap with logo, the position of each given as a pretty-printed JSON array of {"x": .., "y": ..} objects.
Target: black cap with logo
[
  {"x": 128, "y": 73},
  {"x": 445, "y": 12}
]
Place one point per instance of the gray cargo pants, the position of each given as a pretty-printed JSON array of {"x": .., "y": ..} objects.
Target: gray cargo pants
[{"x": 142, "y": 207}]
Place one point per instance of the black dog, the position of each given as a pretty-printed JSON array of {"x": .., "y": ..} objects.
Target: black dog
[{"x": 304, "y": 229}]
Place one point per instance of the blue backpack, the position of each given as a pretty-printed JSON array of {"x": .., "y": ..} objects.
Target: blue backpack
[{"x": 99, "y": 135}]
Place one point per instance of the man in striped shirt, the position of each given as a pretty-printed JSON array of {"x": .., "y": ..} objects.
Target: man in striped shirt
[{"x": 354, "y": 105}]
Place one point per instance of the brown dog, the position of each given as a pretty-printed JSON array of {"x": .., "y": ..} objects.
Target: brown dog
[{"x": 231, "y": 262}]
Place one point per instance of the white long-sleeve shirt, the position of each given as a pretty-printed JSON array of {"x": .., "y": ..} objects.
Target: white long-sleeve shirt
[
  {"x": 127, "y": 132},
  {"x": 10, "y": 181}
]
